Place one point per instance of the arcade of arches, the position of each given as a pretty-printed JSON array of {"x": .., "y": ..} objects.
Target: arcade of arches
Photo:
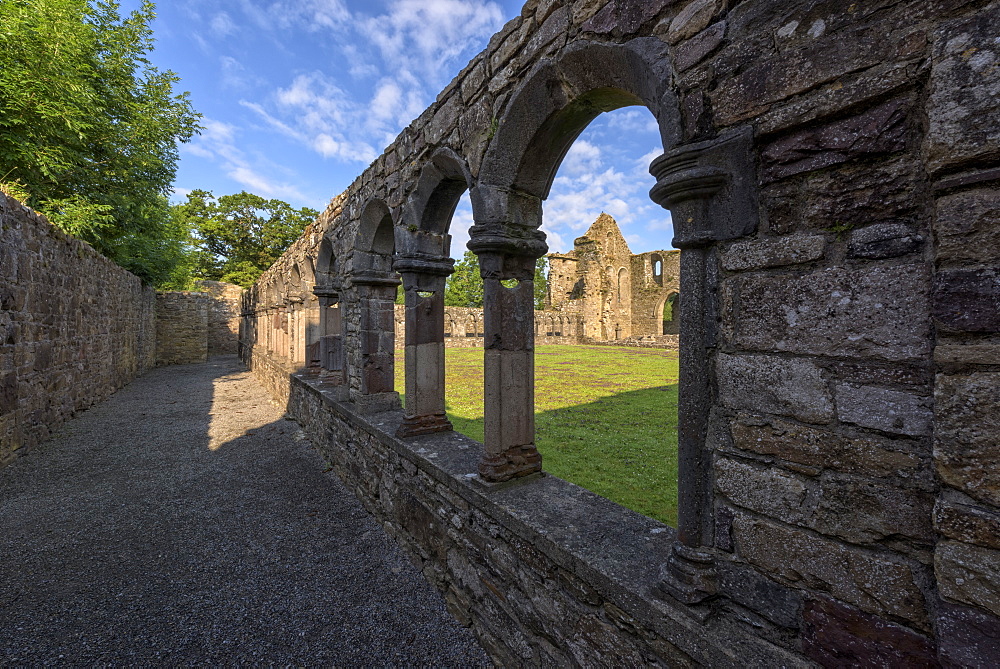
[{"x": 832, "y": 175}]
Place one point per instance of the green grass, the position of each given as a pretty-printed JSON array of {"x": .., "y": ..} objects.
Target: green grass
[{"x": 605, "y": 418}]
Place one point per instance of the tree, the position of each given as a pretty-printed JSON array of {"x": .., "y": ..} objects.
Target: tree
[
  {"x": 465, "y": 287},
  {"x": 89, "y": 128},
  {"x": 237, "y": 237},
  {"x": 541, "y": 285}
]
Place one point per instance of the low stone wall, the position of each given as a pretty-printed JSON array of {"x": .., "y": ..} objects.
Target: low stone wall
[
  {"x": 655, "y": 341},
  {"x": 223, "y": 316},
  {"x": 544, "y": 572},
  {"x": 182, "y": 328},
  {"x": 74, "y": 328}
]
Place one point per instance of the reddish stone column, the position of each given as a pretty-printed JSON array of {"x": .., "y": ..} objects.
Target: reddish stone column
[{"x": 424, "y": 281}]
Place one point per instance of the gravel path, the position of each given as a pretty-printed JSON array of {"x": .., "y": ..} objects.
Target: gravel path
[{"x": 183, "y": 522}]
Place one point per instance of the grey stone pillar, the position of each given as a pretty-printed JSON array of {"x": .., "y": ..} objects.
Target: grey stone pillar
[
  {"x": 709, "y": 187},
  {"x": 376, "y": 300},
  {"x": 507, "y": 240},
  {"x": 423, "y": 283}
]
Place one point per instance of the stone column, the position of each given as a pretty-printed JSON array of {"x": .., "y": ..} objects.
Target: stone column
[
  {"x": 507, "y": 240},
  {"x": 312, "y": 332},
  {"x": 709, "y": 187},
  {"x": 376, "y": 301},
  {"x": 423, "y": 282},
  {"x": 330, "y": 340}
]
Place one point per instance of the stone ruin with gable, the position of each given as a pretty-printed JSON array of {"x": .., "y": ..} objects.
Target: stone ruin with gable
[{"x": 832, "y": 171}]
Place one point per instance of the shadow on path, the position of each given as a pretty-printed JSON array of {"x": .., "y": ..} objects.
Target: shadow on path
[{"x": 185, "y": 521}]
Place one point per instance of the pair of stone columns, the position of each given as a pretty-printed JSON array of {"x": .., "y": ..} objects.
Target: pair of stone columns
[{"x": 509, "y": 371}]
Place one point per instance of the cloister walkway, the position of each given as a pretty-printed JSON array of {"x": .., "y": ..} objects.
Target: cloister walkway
[{"x": 186, "y": 521}]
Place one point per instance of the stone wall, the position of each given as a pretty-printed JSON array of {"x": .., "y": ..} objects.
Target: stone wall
[
  {"x": 832, "y": 173},
  {"x": 74, "y": 328},
  {"x": 223, "y": 316},
  {"x": 463, "y": 327},
  {"x": 182, "y": 327}
]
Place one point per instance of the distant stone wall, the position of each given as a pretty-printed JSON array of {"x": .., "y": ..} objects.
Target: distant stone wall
[
  {"x": 182, "y": 327},
  {"x": 223, "y": 316},
  {"x": 74, "y": 328},
  {"x": 463, "y": 327}
]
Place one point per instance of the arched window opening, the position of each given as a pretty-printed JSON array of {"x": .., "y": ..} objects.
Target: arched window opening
[{"x": 630, "y": 235}]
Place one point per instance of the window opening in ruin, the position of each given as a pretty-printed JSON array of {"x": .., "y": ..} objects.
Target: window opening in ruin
[{"x": 608, "y": 420}]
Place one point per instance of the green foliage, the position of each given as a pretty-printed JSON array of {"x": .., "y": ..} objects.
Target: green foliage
[
  {"x": 237, "y": 237},
  {"x": 464, "y": 288},
  {"x": 605, "y": 418},
  {"x": 541, "y": 287},
  {"x": 89, "y": 128}
]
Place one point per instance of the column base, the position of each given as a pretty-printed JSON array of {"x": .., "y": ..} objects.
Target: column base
[
  {"x": 512, "y": 463},
  {"x": 688, "y": 576},
  {"x": 413, "y": 426}
]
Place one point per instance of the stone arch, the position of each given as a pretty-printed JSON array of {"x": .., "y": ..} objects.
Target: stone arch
[
  {"x": 431, "y": 204},
  {"x": 326, "y": 264},
  {"x": 656, "y": 265},
  {"x": 561, "y": 97},
  {"x": 622, "y": 285},
  {"x": 375, "y": 243}
]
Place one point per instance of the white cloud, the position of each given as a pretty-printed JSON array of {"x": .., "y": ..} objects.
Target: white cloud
[
  {"x": 222, "y": 25},
  {"x": 217, "y": 143}
]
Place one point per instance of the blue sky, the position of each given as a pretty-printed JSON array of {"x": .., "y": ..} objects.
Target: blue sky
[{"x": 299, "y": 96}]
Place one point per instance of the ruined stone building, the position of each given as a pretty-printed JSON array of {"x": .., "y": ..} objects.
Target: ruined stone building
[
  {"x": 614, "y": 293},
  {"x": 833, "y": 174}
]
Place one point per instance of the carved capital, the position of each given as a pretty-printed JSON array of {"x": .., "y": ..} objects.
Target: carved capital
[
  {"x": 375, "y": 279},
  {"x": 419, "y": 263},
  {"x": 710, "y": 189}
]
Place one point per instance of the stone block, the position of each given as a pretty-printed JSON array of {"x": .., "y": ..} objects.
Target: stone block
[
  {"x": 754, "y": 76},
  {"x": 968, "y": 300},
  {"x": 693, "y": 51},
  {"x": 845, "y": 197},
  {"x": 967, "y": 354},
  {"x": 968, "y": 574},
  {"x": 836, "y": 635},
  {"x": 772, "y": 252},
  {"x": 967, "y": 637},
  {"x": 880, "y": 130},
  {"x": 769, "y": 384},
  {"x": 624, "y": 17},
  {"x": 967, "y": 523},
  {"x": 869, "y": 455},
  {"x": 883, "y": 240},
  {"x": 695, "y": 17},
  {"x": 779, "y": 604},
  {"x": 967, "y": 433},
  {"x": 964, "y": 90},
  {"x": 863, "y": 511},
  {"x": 875, "y": 582},
  {"x": 965, "y": 225},
  {"x": 762, "y": 489},
  {"x": 875, "y": 312},
  {"x": 895, "y": 411}
]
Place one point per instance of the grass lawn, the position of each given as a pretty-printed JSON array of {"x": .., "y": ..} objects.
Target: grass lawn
[{"x": 605, "y": 418}]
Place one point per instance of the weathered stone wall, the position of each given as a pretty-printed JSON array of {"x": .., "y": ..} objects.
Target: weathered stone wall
[
  {"x": 182, "y": 327},
  {"x": 223, "y": 316},
  {"x": 74, "y": 328},
  {"x": 614, "y": 293},
  {"x": 833, "y": 174}
]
